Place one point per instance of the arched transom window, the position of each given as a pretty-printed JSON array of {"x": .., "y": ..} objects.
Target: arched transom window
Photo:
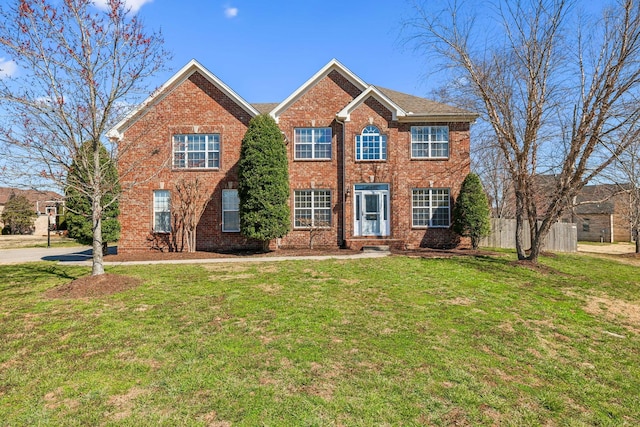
[{"x": 371, "y": 145}]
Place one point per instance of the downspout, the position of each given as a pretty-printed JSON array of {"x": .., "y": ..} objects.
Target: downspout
[
  {"x": 611, "y": 227},
  {"x": 344, "y": 190}
]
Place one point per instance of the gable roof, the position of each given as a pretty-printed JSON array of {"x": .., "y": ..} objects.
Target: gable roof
[
  {"x": 32, "y": 195},
  {"x": 333, "y": 65},
  {"x": 404, "y": 107},
  {"x": 176, "y": 80},
  {"x": 371, "y": 92}
]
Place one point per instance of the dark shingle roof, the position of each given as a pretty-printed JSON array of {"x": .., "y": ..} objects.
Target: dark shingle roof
[
  {"x": 265, "y": 107},
  {"x": 410, "y": 103},
  {"x": 31, "y": 195},
  {"x": 420, "y": 106}
]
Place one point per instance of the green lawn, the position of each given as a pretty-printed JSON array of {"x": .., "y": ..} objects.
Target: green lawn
[{"x": 393, "y": 341}]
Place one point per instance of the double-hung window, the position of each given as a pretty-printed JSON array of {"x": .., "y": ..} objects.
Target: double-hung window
[
  {"x": 429, "y": 142},
  {"x": 230, "y": 211},
  {"x": 312, "y": 143},
  {"x": 196, "y": 151},
  {"x": 312, "y": 208},
  {"x": 371, "y": 145},
  {"x": 430, "y": 207},
  {"x": 161, "y": 211}
]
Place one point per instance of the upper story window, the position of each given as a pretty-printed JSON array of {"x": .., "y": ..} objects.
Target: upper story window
[
  {"x": 161, "y": 211},
  {"x": 428, "y": 142},
  {"x": 196, "y": 151},
  {"x": 312, "y": 143},
  {"x": 430, "y": 207},
  {"x": 370, "y": 145}
]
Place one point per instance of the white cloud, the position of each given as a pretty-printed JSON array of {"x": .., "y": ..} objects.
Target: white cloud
[
  {"x": 230, "y": 12},
  {"x": 7, "y": 68},
  {"x": 134, "y": 5}
]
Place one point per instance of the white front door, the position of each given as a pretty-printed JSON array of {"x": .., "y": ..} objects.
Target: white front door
[{"x": 371, "y": 210}]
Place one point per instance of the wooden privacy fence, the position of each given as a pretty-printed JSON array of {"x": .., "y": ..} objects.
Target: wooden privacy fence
[{"x": 563, "y": 237}]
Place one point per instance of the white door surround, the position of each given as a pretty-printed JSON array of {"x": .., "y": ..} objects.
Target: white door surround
[{"x": 371, "y": 210}]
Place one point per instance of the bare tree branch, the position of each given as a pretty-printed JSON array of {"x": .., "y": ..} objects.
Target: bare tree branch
[
  {"x": 79, "y": 70},
  {"x": 539, "y": 76}
]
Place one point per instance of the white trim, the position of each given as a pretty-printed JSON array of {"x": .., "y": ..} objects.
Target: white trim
[
  {"x": 176, "y": 80},
  {"x": 332, "y": 65},
  {"x": 384, "y": 208},
  {"x": 429, "y": 143},
  {"x": 223, "y": 210},
  {"x": 313, "y": 144},
  {"x": 371, "y": 91},
  {"x": 167, "y": 210},
  {"x": 438, "y": 118},
  {"x": 312, "y": 192},
  {"x": 431, "y": 208}
]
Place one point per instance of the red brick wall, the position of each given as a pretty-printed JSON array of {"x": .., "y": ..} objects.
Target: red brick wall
[
  {"x": 196, "y": 106},
  {"x": 318, "y": 108},
  {"x": 403, "y": 173}
]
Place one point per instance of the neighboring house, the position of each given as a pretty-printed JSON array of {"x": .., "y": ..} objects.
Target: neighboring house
[
  {"x": 601, "y": 214},
  {"x": 45, "y": 203},
  {"x": 367, "y": 165}
]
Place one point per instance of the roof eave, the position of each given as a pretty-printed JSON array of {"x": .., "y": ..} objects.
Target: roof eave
[{"x": 439, "y": 117}]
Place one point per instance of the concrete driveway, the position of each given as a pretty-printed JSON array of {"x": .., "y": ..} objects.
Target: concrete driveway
[
  {"x": 608, "y": 248},
  {"x": 18, "y": 256}
]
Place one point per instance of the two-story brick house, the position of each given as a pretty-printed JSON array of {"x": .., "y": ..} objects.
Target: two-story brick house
[{"x": 367, "y": 165}]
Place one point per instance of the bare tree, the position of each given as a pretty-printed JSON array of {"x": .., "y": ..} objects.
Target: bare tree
[
  {"x": 489, "y": 164},
  {"x": 79, "y": 68},
  {"x": 626, "y": 173},
  {"x": 559, "y": 91},
  {"x": 190, "y": 202}
]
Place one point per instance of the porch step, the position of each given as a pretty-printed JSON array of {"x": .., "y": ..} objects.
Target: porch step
[{"x": 375, "y": 248}]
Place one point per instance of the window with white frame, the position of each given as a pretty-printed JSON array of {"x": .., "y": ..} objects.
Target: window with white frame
[
  {"x": 312, "y": 143},
  {"x": 429, "y": 142},
  {"x": 161, "y": 211},
  {"x": 230, "y": 211},
  {"x": 312, "y": 208},
  {"x": 196, "y": 151},
  {"x": 430, "y": 207},
  {"x": 371, "y": 145}
]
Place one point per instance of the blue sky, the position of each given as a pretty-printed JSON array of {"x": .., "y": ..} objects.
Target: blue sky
[{"x": 264, "y": 50}]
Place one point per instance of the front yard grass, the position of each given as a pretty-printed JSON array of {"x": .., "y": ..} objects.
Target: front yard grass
[{"x": 392, "y": 341}]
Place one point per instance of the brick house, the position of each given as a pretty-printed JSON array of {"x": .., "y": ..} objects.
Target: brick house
[
  {"x": 601, "y": 213},
  {"x": 45, "y": 204},
  {"x": 367, "y": 165}
]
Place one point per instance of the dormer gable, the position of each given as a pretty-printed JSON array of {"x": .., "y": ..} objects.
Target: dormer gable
[{"x": 371, "y": 92}]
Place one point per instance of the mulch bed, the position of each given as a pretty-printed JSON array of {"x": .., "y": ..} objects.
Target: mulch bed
[{"x": 94, "y": 286}]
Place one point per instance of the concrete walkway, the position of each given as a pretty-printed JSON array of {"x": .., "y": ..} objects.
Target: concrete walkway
[{"x": 82, "y": 256}]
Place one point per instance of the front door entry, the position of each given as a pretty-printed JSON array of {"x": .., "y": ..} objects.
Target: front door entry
[{"x": 371, "y": 210}]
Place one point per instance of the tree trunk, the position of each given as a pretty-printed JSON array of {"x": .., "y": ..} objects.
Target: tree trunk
[
  {"x": 475, "y": 240},
  {"x": 521, "y": 251},
  {"x": 98, "y": 267},
  {"x": 637, "y": 242},
  {"x": 96, "y": 212}
]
